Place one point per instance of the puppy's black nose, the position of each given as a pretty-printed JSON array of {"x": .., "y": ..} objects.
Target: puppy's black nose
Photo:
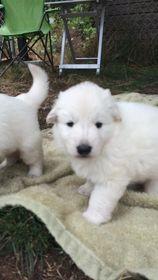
[{"x": 84, "y": 149}]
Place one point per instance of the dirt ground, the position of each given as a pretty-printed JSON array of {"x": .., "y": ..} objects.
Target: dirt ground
[{"x": 56, "y": 264}]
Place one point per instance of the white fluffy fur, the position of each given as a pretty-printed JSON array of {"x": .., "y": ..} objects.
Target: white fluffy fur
[
  {"x": 19, "y": 128},
  {"x": 124, "y": 149}
]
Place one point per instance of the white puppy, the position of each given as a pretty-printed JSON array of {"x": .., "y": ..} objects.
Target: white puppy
[
  {"x": 110, "y": 144},
  {"x": 19, "y": 128}
]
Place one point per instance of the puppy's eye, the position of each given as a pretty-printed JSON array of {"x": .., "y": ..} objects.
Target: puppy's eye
[
  {"x": 98, "y": 124},
  {"x": 70, "y": 124}
]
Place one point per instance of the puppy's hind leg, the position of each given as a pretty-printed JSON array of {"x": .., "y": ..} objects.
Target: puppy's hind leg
[
  {"x": 32, "y": 155},
  {"x": 151, "y": 187}
]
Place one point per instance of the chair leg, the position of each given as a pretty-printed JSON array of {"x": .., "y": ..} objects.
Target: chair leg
[
  {"x": 45, "y": 44},
  {"x": 100, "y": 42},
  {"x": 6, "y": 46},
  {"x": 1, "y": 47},
  {"x": 1, "y": 44},
  {"x": 20, "y": 55},
  {"x": 30, "y": 48},
  {"x": 68, "y": 36},
  {"x": 14, "y": 59},
  {"x": 51, "y": 49},
  {"x": 12, "y": 47},
  {"x": 22, "y": 45},
  {"x": 25, "y": 47},
  {"x": 49, "y": 56},
  {"x": 62, "y": 52}
]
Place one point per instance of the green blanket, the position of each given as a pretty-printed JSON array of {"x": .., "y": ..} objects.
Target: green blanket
[{"x": 128, "y": 242}]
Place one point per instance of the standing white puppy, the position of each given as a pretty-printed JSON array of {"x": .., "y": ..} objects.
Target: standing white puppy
[
  {"x": 19, "y": 128},
  {"x": 110, "y": 144}
]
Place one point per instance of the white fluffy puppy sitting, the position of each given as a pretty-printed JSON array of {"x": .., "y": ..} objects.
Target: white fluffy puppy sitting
[
  {"x": 19, "y": 128},
  {"x": 110, "y": 144}
]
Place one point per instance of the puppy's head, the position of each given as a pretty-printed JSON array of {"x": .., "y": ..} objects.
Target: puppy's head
[{"x": 84, "y": 118}]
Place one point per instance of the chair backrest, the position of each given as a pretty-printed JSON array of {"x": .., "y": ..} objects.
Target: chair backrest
[{"x": 23, "y": 16}]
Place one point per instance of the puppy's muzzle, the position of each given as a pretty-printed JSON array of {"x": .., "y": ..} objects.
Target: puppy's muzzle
[{"x": 84, "y": 150}]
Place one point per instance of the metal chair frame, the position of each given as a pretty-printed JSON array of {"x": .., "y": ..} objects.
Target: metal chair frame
[
  {"x": 98, "y": 13},
  {"x": 7, "y": 47}
]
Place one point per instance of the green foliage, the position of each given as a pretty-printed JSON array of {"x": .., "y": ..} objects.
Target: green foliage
[
  {"x": 23, "y": 234},
  {"x": 84, "y": 25},
  {"x": 80, "y": 25}
]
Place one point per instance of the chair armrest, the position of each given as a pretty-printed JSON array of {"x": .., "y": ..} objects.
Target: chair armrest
[{"x": 50, "y": 10}]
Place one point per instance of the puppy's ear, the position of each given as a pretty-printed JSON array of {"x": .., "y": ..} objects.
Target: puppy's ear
[
  {"x": 114, "y": 110},
  {"x": 52, "y": 116}
]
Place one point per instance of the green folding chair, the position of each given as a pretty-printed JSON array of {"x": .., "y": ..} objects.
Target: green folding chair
[{"x": 27, "y": 22}]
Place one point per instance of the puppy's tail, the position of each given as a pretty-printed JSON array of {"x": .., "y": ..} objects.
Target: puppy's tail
[{"x": 39, "y": 90}]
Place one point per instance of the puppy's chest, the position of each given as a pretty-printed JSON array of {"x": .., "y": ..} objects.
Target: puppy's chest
[{"x": 93, "y": 171}]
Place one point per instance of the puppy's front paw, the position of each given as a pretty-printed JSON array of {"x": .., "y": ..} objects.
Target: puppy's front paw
[{"x": 95, "y": 217}]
